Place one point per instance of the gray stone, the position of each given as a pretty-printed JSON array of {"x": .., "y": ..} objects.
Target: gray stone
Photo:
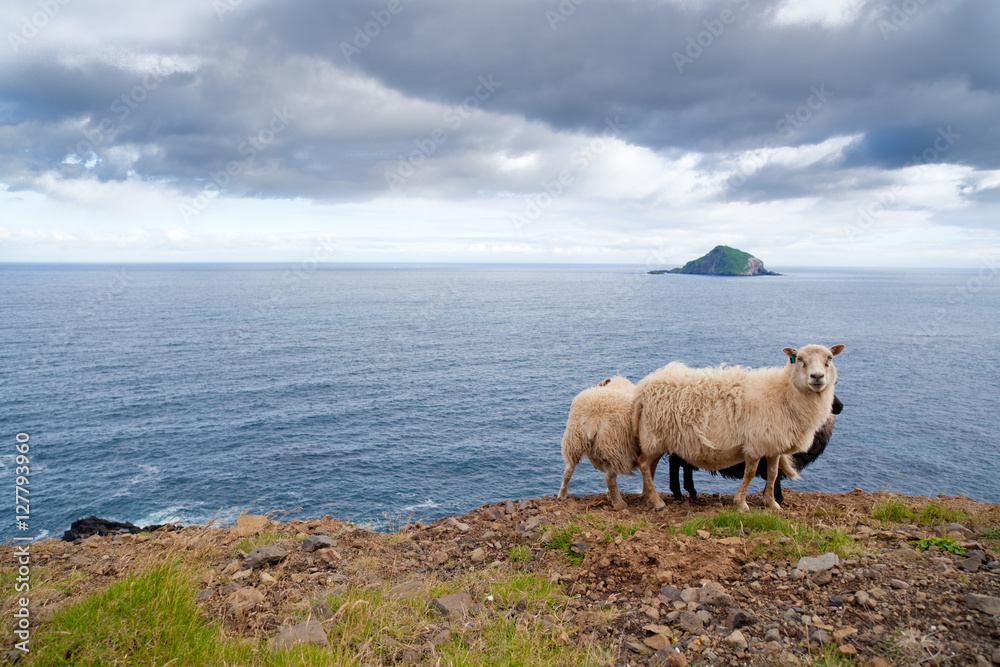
[
  {"x": 322, "y": 610},
  {"x": 413, "y": 587},
  {"x": 820, "y": 637},
  {"x": 314, "y": 542},
  {"x": 455, "y": 523},
  {"x": 957, "y": 528},
  {"x": 738, "y": 618},
  {"x": 689, "y": 595},
  {"x": 796, "y": 575},
  {"x": 772, "y": 635},
  {"x": 996, "y": 656},
  {"x": 821, "y": 578},
  {"x": 478, "y": 555},
  {"x": 671, "y": 593},
  {"x": 835, "y": 601},
  {"x": 827, "y": 561},
  {"x": 533, "y": 523},
  {"x": 970, "y": 564},
  {"x": 737, "y": 640},
  {"x": 864, "y": 600},
  {"x": 688, "y": 621},
  {"x": 525, "y": 505},
  {"x": 704, "y": 616},
  {"x": 456, "y": 604},
  {"x": 714, "y": 595},
  {"x": 509, "y": 507},
  {"x": 899, "y": 584},
  {"x": 265, "y": 555},
  {"x": 578, "y": 547},
  {"x": 309, "y": 632},
  {"x": 641, "y": 649},
  {"x": 984, "y": 603},
  {"x": 496, "y": 512}
]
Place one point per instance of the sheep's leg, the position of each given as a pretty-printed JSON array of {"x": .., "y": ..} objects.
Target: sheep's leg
[
  {"x": 778, "y": 495},
  {"x": 675, "y": 477},
  {"x": 570, "y": 467},
  {"x": 613, "y": 493},
  {"x": 689, "y": 482},
  {"x": 772, "y": 478},
  {"x": 750, "y": 471},
  {"x": 647, "y": 464}
]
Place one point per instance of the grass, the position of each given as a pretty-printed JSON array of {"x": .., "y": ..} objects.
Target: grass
[
  {"x": 892, "y": 510},
  {"x": 766, "y": 530},
  {"x": 829, "y": 656},
  {"x": 942, "y": 543},
  {"x": 248, "y": 544},
  {"x": 562, "y": 540},
  {"x": 519, "y": 553}
]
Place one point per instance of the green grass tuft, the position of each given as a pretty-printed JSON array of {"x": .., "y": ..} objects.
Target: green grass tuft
[
  {"x": 943, "y": 543},
  {"x": 562, "y": 540},
  {"x": 519, "y": 553},
  {"x": 935, "y": 514},
  {"x": 891, "y": 510}
]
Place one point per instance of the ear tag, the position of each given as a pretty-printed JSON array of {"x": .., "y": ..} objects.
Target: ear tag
[{"x": 793, "y": 359}]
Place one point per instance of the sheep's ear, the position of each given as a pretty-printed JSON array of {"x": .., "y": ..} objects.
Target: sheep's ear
[
  {"x": 836, "y": 349},
  {"x": 791, "y": 352},
  {"x": 604, "y": 382}
]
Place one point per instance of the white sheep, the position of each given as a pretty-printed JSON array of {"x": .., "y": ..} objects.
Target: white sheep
[
  {"x": 716, "y": 417},
  {"x": 600, "y": 427}
]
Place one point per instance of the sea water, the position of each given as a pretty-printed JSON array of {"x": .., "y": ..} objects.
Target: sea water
[{"x": 388, "y": 392}]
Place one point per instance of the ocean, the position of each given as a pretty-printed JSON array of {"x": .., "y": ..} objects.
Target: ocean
[{"x": 383, "y": 393}]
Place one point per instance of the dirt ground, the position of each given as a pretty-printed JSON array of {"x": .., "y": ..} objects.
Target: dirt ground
[{"x": 633, "y": 579}]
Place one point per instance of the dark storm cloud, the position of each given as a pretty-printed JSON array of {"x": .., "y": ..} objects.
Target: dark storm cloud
[{"x": 712, "y": 77}]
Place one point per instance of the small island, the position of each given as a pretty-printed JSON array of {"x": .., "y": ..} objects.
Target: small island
[{"x": 724, "y": 261}]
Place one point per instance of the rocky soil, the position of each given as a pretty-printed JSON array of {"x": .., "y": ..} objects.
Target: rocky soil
[{"x": 633, "y": 580}]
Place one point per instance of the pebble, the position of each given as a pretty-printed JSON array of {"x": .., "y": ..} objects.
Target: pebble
[
  {"x": 827, "y": 561},
  {"x": 822, "y": 578},
  {"x": 265, "y": 555},
  {"x": 478, "y": 555},
  {"x": 848, "y": 650},
  {"x": 970, "y": 564},
  {"x": 772, "y": 635},
  {"x": 687, "y": 620},
  {"x": 796, "y": 575},
  {"x": 737, "y": 640},
  {"x": 835, "y": 601},
  {"x": 456, "y": 604},
  {"x": 820, "y": 637},
  {"x": 704, "y": 616},
  {"x": 309, "y": 632},
  {"x": 657, "y": 642},
  {"x": 265, "y": 578},
  {"x": 314, "y": 542}
]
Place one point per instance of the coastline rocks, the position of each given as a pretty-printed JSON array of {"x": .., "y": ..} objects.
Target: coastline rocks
[
  {"x": 92, "y": 525},
  {"x": 265, "y": 555}
]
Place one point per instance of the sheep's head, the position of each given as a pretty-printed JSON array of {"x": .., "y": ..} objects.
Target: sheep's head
[
  {"x": 812, "y": 366},
  {"x": 617, "y": 382}
]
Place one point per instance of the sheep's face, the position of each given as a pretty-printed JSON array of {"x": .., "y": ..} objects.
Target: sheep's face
[{"x": 812, "y": 366}]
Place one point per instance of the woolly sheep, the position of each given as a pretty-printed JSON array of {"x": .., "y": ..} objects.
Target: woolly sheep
[
  {"x": 600, "y": 427},
  {"x": 799, "y": 462},
  {"x": 714, "y": 418}
]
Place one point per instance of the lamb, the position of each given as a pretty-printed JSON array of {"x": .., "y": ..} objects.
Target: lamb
[
  {"x": 799, "y": 461},
  {"x": 600, "y": 427},
  {"x": 714, "y": 418}
]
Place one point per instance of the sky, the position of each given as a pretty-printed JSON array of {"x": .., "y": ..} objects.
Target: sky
[{"x": 806, "y": 132}]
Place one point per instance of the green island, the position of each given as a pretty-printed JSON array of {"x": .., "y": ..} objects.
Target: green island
[{"x": 723, "y": 261}]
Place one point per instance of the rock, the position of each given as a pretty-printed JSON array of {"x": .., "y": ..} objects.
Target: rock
[
  {"x": 671, "y": 593},
  {"x": 827, "y": 561},
  {"x": 668, "y": 657},
  {"x": 772, "y": 635},
  {"x": 242, "y": 574},
  {"x": 899, "y": 584},
  {"x": 265, "y": 578},
  {"x": 322, "y": 610},
  {"x": 737, "y": 640},
  {"x": 796, "y": 575},
  {"x": 456, "y": 604},
  {"x": 738, "y": 618},
  {"x": 705, "y": 617},
  {"x": 265, "y": 555},
  {"x": 309, "y": 632},
  {"x": 92, "y": 525},
  {"x": 413, "y": 587},
  {"x": 576, "y": 547},
  {"x": 204, "y": 595},
  {"x": 248, "y": 524},
  {"x": 689, "y": 595},
  {"x": 440, "y": 557},
  {"x": 314, "y": 542},
  {"x": 970, "y": 564},
  {"x": 820, "y": 637},
  {"x": 525, "y": 505},
  {"x": 835, "y": 601},
  {"x": 509, "y": 507},
  {"x": 657, "y": 642},
  {"x": 844, "y": 633},
  {"x": 642, "y": 649},
  {"x": 714, "y": 595},
  {"x": 412, "y": 655},
  {"x": 877, "y": 662},
  {"x": 441, "y": 638},
  {"x": 478, "y": 555},
  {"x": 547, "y": 536},
  {"x": 996, "y": 656},
  {"x": 786, "y": 659},
  {"x": 984, "y": 603},
  {"x": 496, "y": 512},
  {"x": 243, "y": 600},
  {"x": 958, "y": 528},
  {"x": 653, "y": 613},
  {"x": 821, "y": 578},
  {"x": 847, "y": 650},
  {"x": 864, "y": 600},
  {"x": 455, "y": 523},
  {"x": 688, "y": 621}
]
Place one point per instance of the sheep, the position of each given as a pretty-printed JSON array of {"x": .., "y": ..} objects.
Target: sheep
[
  {"x": 714, "y": 418},
  {"x": 600, "y": 427},
  {"x": 799, "y": 461}
]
